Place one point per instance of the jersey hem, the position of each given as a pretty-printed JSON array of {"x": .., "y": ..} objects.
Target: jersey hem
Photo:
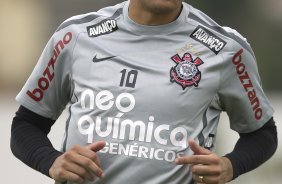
[{"x": 259, "y": 124}]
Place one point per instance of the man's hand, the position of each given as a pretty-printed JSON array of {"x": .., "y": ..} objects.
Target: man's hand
[
  {"x": 207, "y": 167},
  {"x": 78, "y": 164}
]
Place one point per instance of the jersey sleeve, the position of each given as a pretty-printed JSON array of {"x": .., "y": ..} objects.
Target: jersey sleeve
[
  {"x": 48, "y": 89},
  {"x": 241, "y": 94}
]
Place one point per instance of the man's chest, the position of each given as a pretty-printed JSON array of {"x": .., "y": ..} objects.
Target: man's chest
[{"x": 164, "y": 80}]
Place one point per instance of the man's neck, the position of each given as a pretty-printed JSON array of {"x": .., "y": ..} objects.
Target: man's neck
[{"x": 145, "y": 17}]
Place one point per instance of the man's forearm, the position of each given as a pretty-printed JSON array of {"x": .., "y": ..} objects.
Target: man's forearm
[
  {"x": 29, "y": 141},
  {"x": 253, "y": 149}
]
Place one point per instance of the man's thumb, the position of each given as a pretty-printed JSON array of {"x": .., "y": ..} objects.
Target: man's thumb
[
  {"x": 97, "y": 146},
  {"x": 197, "y": 149}
]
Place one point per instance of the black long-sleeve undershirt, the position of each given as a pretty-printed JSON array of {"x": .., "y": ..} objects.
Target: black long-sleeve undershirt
[
  {"x": 253, "y": 149},
  {"x": 29, "y": 143}
]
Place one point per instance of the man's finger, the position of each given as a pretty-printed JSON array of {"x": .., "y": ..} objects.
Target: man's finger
[
  {"x": 195, "y": 159},
  {"x": 80, "y": 171},
  {"x": 198, "y": 150},
  {"x": 70, "y": 176},
  {"x": 95, "y": 147},
  {"x": 204, "y": 170},
  {"x": 88, "y": 164}
]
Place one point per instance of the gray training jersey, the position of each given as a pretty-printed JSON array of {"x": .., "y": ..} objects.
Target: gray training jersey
[{"x": 146, "y": 90}]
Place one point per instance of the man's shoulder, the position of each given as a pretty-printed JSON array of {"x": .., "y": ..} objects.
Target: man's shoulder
[
  {"x": 77, "y": 21},
  {"x": 209, "y": 27}
]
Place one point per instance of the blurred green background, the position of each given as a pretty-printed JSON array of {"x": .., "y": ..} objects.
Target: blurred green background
[{"x": 26, "y": 26}]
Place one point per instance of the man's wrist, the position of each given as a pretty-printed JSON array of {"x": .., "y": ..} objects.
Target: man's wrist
[{"x": 228, "y": 169}]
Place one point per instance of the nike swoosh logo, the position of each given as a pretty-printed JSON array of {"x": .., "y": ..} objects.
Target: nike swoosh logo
[{"x": 96, "y": 60}]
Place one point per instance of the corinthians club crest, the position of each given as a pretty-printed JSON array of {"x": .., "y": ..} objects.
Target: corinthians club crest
[{"x": 186, "y": 72}]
